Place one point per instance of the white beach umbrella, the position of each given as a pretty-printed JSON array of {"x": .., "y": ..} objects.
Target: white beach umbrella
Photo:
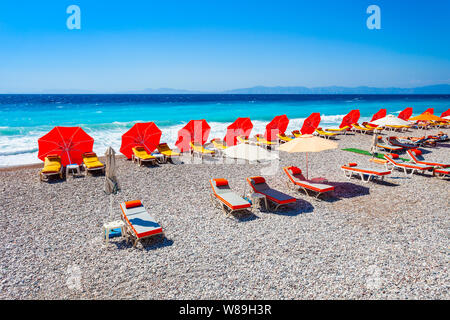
[
  {"x": 250, "y": 152},
  {"x": 390, "y": 120}
]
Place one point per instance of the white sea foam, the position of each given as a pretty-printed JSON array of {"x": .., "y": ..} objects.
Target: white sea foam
[{"x": 22, "y": 149}]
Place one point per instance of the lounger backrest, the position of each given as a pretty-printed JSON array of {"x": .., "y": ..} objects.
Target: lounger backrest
[
  {"x": 163, "y": 147},
  {"x": 258, "y": 183}
]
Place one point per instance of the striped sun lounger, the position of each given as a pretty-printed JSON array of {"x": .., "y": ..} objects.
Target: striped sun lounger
[
  {"x": 259, "y": 185},
  {"x": 366, "y": 174},
  {"x": 394, "y": 162},
  {"x": 140, "y": 224},
  {"x": 229, "y": 201},
  {"x": 297, "y": 179}
]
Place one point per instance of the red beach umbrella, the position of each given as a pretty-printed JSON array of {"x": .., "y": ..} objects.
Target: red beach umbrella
[
  {"x": 445, "y": 113},
  {"x": 311, "y": 123},
  {"x": 240, "y": 127},
  {"x": 351, "y": 118},
  {"x": 429, "y": 110},
  {"x": 193, "y": 131},
  {"x": 380, "y": 114},
  {"x": 68, "y": 142},
  {"x": 145, "y": 134},
  {"x": 406, "y": 114},
  {"x": 278, "y": 125}
]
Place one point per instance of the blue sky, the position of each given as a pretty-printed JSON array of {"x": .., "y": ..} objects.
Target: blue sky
[{"x": 219, "y": 45}]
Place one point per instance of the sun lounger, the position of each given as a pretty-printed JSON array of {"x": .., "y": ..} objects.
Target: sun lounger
[
  {"x": 259, "y": 185},
  {"x": 394, "y": 141},
  {"x": 297, "y": 179},
  {"x": 52, "y": 167},
  {"x": 397, "y": 128},
  {"x": 441, "y": 173},
  {"x": 342, "y": 130},
  {"x": 229, "y": 201},
  {"x": 366, "y": 174},
  {"x": 261, "y": 141},
  {"x": 296, "y": 133},
  {"x": 242, "y": 139},
  {"x": 91, "y": 163},
  {"x": 416, "y": 157},
  {"x": 325, "y": 134},
  {"x": 385, "y": 146},
  {"x": 282, "y": 138},
  {"x": 141, "y": 156},
  {"x": 219, "y": 144},
  {"x": 357, "y": 128},
  {"x": 139, "y": 223},
  {"x": 198, "y": 149},
  {"x": 168, "y": 153},
  {"x": 394, "y": 162}
]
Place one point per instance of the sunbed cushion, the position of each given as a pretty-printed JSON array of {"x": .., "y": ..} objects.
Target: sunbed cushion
[
  {"x": 221, "y": 182},
  {"x": 295, "y": 170},
  {"x": 352, "y": 164},
  {"x": 53, "y": 157},
  {"x": 89, "y": 154},
  {"x": 394, "y": 156},
  {"x": 258, "y": 180},
  {"x": 133, "y": 204},
  {"x": 140, "y": 148},
  {"x": 417, "y": 152}
]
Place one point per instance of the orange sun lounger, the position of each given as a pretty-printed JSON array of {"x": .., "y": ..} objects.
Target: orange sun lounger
[
  {"x": 394, "y": 162},
  {"x": 416, "y": 157},
  {"x": 228, "y": 200},
  {"x": 139, "y": 223},
  {"x": 259, "y": 185},
  {"x": 297, "y": 179},
  {"x": 353, "y": 169}
]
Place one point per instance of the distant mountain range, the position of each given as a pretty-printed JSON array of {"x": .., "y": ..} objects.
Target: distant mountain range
[{"x": 434, "y": 89}]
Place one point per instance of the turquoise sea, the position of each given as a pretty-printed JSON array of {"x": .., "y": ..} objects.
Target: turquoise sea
[{"x": 25, "y": 118}]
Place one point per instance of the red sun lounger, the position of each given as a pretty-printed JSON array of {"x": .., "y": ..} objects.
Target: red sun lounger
[
  {"x": 259, "y": 185},
  {"x": 297, "y": 179},
  {"x": 140, "y": 224},
  {"x": 371, "y": 174},
  {"x": 441, "y": 173},
  {"x": 416, "y": 157},
  {"x": 394, "y": 162},
  {"x": 228, "y": 200}
]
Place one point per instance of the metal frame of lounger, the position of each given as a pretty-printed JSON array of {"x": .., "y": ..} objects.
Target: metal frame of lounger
[
  {"x": 297, "y": 187},
  {"x": 140, "y": 161},
  {"x": 441, "y": 173},
  {"x": 399, "y": 165},
  {"x": 222, "y": 205},
  {"x": 370, "y": 176},
  {"x": 129, "y": 230}
]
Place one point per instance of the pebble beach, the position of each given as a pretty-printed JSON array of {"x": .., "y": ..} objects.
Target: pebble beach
[{"x": 377, "y": 240}]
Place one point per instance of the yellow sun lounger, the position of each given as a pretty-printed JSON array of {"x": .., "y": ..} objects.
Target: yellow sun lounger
[
  {"x": 358, "y": 128},
  {"x": 283, "y": 138},
  {"x": 326, "y": 135},
  {"x": 342, "y": 130},
  {"x": 219, "y": 144},
  {"x": 197, "y": 148},
  {"x": 52, "y": 167},
  {"x": 296, "y": 133},
  {"x": 243, "y": 139},
  {"x": 141, "y": 156},
  {"x": 168, "y": 153},
  {"x": 91, "y": 163},
  {"x": 262, "y": 141}
]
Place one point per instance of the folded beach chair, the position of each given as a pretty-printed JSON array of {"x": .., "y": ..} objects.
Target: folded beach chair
[
  {"x": 263, "y": 142},
  {"x": 141, "y": 156},
  {"x": 297, "y": 179},
  {"x": 243, "y": 139},
  {"x": 259, "y": 185},
  {"x": 139, "y": 223},
  {"x": 198, "y": 149},
  {"x": 168, "y": 153},
  {"x": 441, "y": 173},
  {"x": 394, "y": 162},
  {"x": 219, "y": 144},
  {"x": 229, "y": 201},
  {"x": 91, "y": 163},
  {"x": 282, "y": 138},
  {"x": 296, "y": 133},
  {"x": 52, "y": 167},
  {"x": 357, "y": 128},
  {"x": 325, "y": 134},
  {"x": 366, "y": 174},
  {"x": 416, "y": 157},
  {"x": 342, "y": 130}
]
